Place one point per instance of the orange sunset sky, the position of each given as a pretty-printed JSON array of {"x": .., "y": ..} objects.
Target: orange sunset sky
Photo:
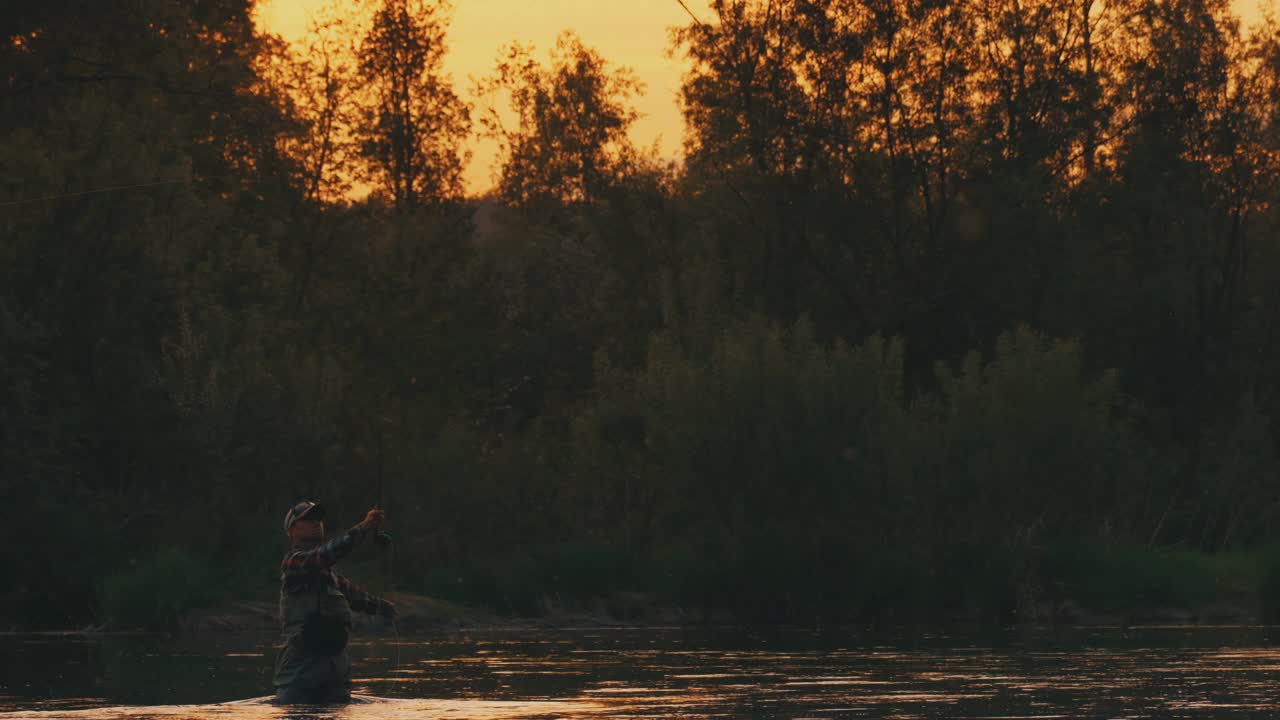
[{"x": 633, "y": 33}]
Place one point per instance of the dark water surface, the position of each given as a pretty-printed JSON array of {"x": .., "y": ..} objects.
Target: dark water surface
[{"x": 837, "y": 673}]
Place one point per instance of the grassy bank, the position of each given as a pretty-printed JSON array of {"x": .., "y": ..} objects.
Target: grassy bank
[
  {"x": 1071, "y": 582},
  {"x": 1063, "y": 582},
  {"x": 1139, "y": 583}
]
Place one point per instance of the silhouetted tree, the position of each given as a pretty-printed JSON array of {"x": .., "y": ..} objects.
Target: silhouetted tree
[
  {"x": 569, "y": 142},
  {"x": 412, "y": 123}
]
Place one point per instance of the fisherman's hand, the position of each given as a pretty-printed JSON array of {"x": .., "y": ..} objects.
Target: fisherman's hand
[{"x": 372, "y": 521}]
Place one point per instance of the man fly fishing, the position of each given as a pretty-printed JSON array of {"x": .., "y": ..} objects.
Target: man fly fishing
[{"x": 315, "y": 608}]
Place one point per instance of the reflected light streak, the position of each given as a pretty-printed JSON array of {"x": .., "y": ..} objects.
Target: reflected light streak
[{"x": 595, "y": 677}]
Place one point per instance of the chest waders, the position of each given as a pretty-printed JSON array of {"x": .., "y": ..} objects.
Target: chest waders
[
  {"x": 317, "y": 622},
  {"x": 328, "y": 622}
]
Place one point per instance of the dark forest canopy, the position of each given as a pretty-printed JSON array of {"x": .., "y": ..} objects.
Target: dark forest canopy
[{"x": 938, "y": 287}]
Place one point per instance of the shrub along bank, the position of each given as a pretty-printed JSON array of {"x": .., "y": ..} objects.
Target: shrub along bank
[{"x": 774, "y": 477}]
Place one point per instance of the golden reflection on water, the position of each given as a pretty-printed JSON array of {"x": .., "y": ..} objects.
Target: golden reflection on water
[
  {"x": 602, "y": 675},
  {"x": 259, "y": 709}
]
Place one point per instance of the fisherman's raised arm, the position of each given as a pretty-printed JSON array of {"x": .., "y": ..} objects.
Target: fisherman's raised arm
[{"x": 327, "y": 554}]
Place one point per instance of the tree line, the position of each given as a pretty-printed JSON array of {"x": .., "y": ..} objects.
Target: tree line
[{"x": 934, "y": 287}]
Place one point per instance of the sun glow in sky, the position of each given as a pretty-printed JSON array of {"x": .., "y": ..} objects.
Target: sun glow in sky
[{"x": 631, "y": 33}]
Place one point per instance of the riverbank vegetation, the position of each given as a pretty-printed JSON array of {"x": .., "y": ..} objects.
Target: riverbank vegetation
[{"x": 949, "y": 311}]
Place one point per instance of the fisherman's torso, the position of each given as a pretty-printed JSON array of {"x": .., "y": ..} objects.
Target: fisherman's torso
[{"x": 316, "y": 619}]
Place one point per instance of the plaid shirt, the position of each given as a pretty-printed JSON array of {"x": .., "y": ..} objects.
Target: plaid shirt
[{"x": 306, "y": 566}]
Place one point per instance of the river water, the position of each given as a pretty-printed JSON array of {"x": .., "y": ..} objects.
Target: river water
[{"x": 1179, "y": 672}]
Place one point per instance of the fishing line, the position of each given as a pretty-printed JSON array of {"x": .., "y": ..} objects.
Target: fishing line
[
  {"x": 395, "y": 631},
  {"x": 388, "y": 545},
  {"x": 112, "y": 188}
]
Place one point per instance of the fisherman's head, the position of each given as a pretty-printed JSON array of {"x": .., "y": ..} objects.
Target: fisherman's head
[{"x": 304, "y": 523}]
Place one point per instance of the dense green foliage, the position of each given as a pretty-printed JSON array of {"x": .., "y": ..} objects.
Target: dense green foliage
[
  {"x": 951, "y": 308},
  {"x": 156, "y": 592}
]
